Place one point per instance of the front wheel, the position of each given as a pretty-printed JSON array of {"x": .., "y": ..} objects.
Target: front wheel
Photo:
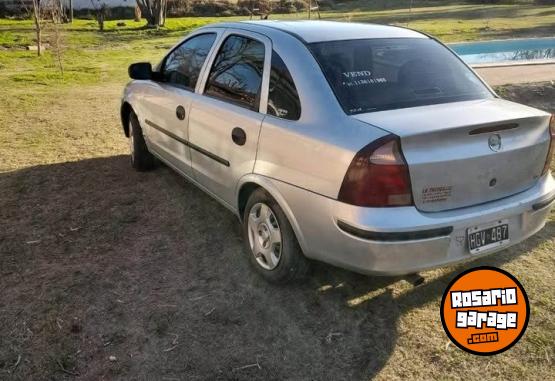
[
  {"x": 141, "y": 158},
  {"x": 270, "y": 241}
]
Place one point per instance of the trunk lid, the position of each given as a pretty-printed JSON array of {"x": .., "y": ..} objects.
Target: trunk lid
[{"x": 467, "y": 153}]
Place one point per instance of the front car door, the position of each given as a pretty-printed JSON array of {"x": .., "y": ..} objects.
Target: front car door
[
  {"x": 168, "y": 101},
  {"x": 224, "y": 123}
]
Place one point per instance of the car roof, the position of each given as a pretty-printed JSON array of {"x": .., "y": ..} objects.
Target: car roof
[{"x": 310, "y": 31}]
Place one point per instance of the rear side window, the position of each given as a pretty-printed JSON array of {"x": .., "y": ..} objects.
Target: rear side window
[
  {"x": 283, "y": 99},
  {"x": 236, "y": 75},
  {"x": 392, "y": 73},
  {"x": 183, "y": 65}
]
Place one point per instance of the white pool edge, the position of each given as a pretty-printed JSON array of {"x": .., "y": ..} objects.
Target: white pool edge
[
  {"x": 499, "y": 39},
  {"x": 514, "y": 63}
]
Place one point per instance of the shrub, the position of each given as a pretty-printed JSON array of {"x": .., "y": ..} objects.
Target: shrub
[
  {"x": 326, "y": 4},
  {"x": 244, "y": 7},
  {"x": 301, "y": 5},
  {"x": 243, "y": 11},
  {"x": 178, "y": 8},
  {"x": 115, "y": 13},
  {"x": 285, "y": 6},
  {"x": 212, "y": 8},
  {"x": 14, "y": 12}
]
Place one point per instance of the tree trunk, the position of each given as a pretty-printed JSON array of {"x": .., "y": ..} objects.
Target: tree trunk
[
  {"x": 159, "y": 13},
  {"x": 137, "y": 13},
  {"x": 60, "y": 15},
  {"x": 36, "y": 18},
  {"x": 101, "y": 22},
  {"x": 146, "y": 11},
  {"x": 39, "y": 39},
  {"x": 154, "y": 11}
]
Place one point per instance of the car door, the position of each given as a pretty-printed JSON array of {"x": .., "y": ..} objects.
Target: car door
[
  {"x": 224, "y": 123},
  {"x": 168, "y": 100}
]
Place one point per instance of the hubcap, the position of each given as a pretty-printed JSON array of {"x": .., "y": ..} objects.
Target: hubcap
[
  {"x": 264, "y": 236},
  {"x": 131, "y": 143}
]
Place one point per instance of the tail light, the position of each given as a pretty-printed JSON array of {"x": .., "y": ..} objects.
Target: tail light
[
  {"x": 378, "y": 176},
  {"x": 551, "y": 145}
]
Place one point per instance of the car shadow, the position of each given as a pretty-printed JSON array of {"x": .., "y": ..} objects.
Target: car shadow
[{"x": 97, "y": 260}]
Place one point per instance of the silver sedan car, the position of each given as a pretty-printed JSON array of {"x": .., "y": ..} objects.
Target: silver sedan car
[{"x": 369, "y": 147}]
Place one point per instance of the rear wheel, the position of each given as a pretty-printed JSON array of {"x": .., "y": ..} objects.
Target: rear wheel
[
  {"x": 141, "y": 158},
  {"x": 270, "y": 241}
]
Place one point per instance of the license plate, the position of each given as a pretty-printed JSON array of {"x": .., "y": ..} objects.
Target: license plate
[{"x": 485, "y": 237}]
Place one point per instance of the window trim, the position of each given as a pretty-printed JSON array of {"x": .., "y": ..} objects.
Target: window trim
[
  {"x": 265, "y": 85},
  {"x": 162, "y": 64},
  {"x": 294, "y": 83}
]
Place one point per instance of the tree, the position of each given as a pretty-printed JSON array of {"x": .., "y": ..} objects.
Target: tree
[
  {"x": 48, "y": 9},
  {"x": 154, "y": 11},
  {"x": 58, "y": 15},
  {"x": 37, "y": 21},
  {"x": 100, "y": 10}
]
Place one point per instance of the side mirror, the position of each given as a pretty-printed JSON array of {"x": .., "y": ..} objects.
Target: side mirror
[{"x": 140, "y": 70}]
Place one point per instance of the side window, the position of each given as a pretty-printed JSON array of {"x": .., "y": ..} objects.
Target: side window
[
  {"x": 183, "y": 65},
  {"x": 236, "y": 75},
  {"x": 283, "y": 99}
]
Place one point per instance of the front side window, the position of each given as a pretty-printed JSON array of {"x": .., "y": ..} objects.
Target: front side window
[
  {"x": 283, "y": 99},
  {"x": 236, "y": 75},
  {"x": 183, "y": 65},
  {"x": 392, "y": 73}
]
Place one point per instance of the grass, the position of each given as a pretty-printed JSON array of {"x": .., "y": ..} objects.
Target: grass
[{"x": 98, "y": 260}]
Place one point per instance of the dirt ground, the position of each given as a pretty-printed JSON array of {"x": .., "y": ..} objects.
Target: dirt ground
[
  {"x": 501, "y": 75},
  {"x": 97, "y": 260}
]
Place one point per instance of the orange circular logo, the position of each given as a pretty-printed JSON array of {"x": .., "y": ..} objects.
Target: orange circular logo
[{"x": 485, "y": 311}]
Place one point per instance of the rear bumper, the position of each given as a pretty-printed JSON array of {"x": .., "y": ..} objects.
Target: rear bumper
[{"x": 394, "y": 241}]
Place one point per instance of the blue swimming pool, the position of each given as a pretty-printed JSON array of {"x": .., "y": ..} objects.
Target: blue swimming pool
[{"x": 506, "y": 50}]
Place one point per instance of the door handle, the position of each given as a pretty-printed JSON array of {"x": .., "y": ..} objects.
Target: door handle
[
  {"x": 180, "y": 112},
  {"x": 238, "y": 136}
]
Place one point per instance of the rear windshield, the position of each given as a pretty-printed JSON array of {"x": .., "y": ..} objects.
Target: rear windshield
[{"x": 391, "y": 73}]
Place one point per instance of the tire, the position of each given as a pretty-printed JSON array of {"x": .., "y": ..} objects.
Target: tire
[
  {"x": 262, "y": 217},
  {"x": 141, "y": 158}
]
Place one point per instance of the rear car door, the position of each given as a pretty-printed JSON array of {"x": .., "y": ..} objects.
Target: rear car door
[
  {"x": 169, "y": 100},
  {"x": 224, "y": 123}
]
